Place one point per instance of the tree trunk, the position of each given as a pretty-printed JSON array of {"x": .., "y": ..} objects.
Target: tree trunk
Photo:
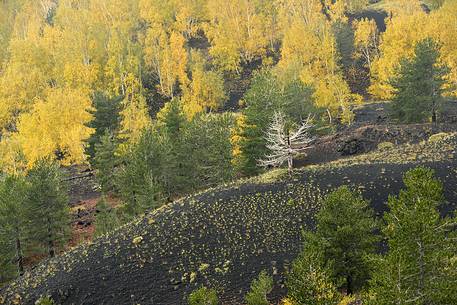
[
  {"x": 433, "y": 100},
  {"x": 290, "y": 160},
  {"x": 290, "y": 164},
  {"x": 433, "y": 113},
  {"x": 349, "y": 285},
  {"x": 19, "y": 258},
  {"x": 421, "y": 268},
  {"x": 51, "y": 249}
]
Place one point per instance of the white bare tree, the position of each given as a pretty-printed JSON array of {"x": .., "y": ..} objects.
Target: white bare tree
[{"x": 283, "y": 144}]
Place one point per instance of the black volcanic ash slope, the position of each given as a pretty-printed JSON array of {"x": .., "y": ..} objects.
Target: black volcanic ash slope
[{"x": 222, "y": 237}]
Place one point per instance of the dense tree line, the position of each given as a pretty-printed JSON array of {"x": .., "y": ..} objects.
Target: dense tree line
[
  {"x": 175, "y": 156},
  {"x": 61, "y": 57}
]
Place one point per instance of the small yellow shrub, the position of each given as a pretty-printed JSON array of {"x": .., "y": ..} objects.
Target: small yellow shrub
[
  {"x": 286, "y": 301},
  {"x": 438, "y": 137},
  {"x": 272, "y": 176},
  {"x": 203, "y": 267},
  {"x": 386, "y": 146},
  {"x": 347, "y": 300},
  {"x": 137, "y": 240}
]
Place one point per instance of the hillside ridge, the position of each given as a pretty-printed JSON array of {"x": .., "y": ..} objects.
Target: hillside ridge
[{"x": 221, "y": 237}]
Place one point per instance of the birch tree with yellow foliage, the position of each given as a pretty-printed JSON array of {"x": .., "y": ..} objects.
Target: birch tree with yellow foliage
[
  {"x": 366, "y": 40},
  {"x": 165, "y": 51},
  {"x": 396, "y": 43},
  {"x": 56, "y": 127},
  {"x": 238, "y": 32},
  {"x": 309, "y": 53},
  {"x": 206, "y": 91}
]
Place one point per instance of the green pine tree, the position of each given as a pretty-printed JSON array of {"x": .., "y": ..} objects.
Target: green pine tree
[
  {"x": 46, "y": 206},
  {"x": 174, "y": 119},
  {"x": 260, "y": 288},
  {"x": 105, "y": 162},
  {"x": 203, "y": 296},
  {"x": 44, "y": 301},
  {"x": 205, "y": 152},
  {"x": 172, "y": 127},
  {"x": 420, "y": 85},
  {"x": 106, "y": 219},
  {"x": 140, "y": 179},
  {"x": 106, "y": 120},
  {"x": 263, "y": 98},
  {"x": 194, "y": 153},
  {"x": 13, "y": 227},
  {"x": 420, "y": 267},
  {"x": 346, "y": 235},
  {"x": 309, "y": 281}
]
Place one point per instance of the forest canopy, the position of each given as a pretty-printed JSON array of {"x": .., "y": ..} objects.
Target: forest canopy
[{"x": 57, "y": 56}]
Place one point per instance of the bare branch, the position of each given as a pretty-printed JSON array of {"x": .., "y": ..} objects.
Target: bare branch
[{"x": 284, "y": 146}]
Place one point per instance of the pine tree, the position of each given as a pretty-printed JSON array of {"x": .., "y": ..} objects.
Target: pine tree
[
  {"x": 47, "y": 206},
  {"x": 420, "y": 266},
  {"x": 346, "y": 235},
  {"x": 206, "y": 151},
  {"x": 203, "y": 296},
  {"x": 172, "y": 125},
  {"x": 140, "y": 179},
  {"x": 419, "y": 86},
  {"x": 171, "y": 119},
  {"x": 261, "y": 102},
  {"x": 260, "y": 288},
  {"x": 309, "y": 281},
  {"x": 105, "y": 161},
  {"x": 13, "y": 226},
  {"x": 105, "y": 120},
  {"x": 106, "y": 219}
]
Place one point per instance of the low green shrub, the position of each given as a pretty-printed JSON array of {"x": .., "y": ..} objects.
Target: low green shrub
[
  {"x": 44, "y": 301},
  {"x": 272, "y": 176}
]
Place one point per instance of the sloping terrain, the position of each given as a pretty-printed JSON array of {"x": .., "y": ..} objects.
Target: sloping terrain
[
  {"x": 372, "y": 126},
  {"x": 365, "y": 138},
  {"x": 222, "y": 237}
]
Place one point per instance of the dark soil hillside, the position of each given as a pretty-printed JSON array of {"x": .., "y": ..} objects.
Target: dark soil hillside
[
  {"x": 372, "y": 126},
  {"x": 222, "y": 237},
  {"x": 366, "y": 138}
]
